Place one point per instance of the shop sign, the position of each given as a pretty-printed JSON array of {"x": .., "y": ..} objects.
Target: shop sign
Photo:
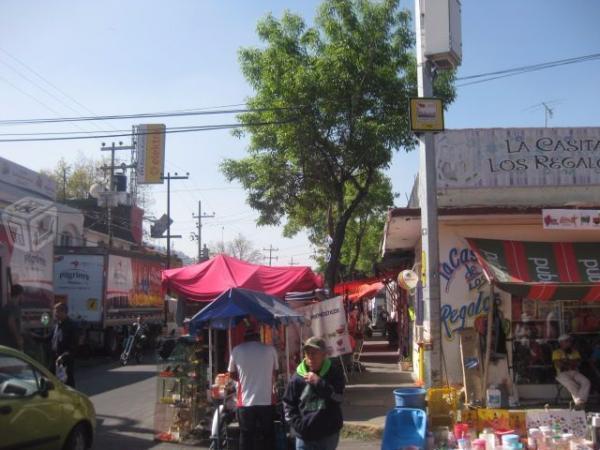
[
  {"x": 150, "y": 153},
  {"x": 426, "y": 114},
  {"x": 571, "y": 219},
  {"x": 518, "y": 157}
]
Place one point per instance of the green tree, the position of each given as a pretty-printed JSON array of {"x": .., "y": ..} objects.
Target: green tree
[
  {"x": 336, "y": 95},
  {"x": 73, "y": 180}
]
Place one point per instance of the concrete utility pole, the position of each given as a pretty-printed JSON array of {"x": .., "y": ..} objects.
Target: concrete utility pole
[
  {"x": 170, "y": 177},
  {"x": 432, "y": 338},
  {"x": 271, "y": 250},
  {"x": 292, "y": 263},
  {"x": 201, "y": 216},
  {"x": 111, "y": 187}
]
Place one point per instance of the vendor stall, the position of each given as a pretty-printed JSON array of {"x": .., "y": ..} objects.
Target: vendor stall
[
  {"x": 232, "y": 307},
  {"x": 205, "y": 281}
]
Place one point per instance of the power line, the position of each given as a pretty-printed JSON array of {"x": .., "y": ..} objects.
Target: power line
[
  {"x": 490, "y": 76},
  {"x": 190, "y": 129},
  {"x": 180, "y": 113}
]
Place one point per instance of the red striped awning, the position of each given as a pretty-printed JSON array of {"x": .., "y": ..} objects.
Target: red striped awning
[{"x": 541, "y": 270}]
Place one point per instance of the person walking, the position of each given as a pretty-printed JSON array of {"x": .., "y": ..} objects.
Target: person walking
[
  {"x": 10, "y": 319},
  {"x": 254, "y": 366},
  {"x": 63, "y": 343},
  {"x": 313, "y": 399},
  {"x": 566, "y": 361}
]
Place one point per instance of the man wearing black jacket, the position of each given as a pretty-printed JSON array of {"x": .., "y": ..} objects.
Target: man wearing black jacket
[
  {"x": 63, "y": 342},
  {"x": 313, "y": 399}
]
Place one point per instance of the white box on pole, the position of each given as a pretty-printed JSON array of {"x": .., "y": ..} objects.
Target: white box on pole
[{"x": 443, "y": 40}]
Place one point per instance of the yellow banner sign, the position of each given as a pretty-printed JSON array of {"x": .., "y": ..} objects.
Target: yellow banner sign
[
  {"x": 150, "y": 153},
  {"x": 426, "y": 114}
]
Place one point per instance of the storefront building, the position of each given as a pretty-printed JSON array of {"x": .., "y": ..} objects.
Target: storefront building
[{"x": 518, "y": 207}]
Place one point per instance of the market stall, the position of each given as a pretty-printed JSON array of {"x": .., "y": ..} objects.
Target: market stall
[
  {"x": 232, "y": 307},
  {"x": 206, "y": 281}
]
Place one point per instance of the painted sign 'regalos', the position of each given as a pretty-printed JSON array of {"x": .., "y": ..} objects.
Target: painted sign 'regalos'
[{"x": 518, "y": 157}]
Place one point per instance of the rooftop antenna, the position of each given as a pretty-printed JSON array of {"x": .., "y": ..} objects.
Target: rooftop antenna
[
  {"x": 548, "y": 113},
  {"x": 548, "y": 108}
]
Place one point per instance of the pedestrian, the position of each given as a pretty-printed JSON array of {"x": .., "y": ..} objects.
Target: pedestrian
[
  {"x": 254, "y": 366},
  {"x": 566, "y": 361},
  {"x": 63, "y": 343},
  {"x": 10, "y": 319},
  {"x": 313, "y": 399}
]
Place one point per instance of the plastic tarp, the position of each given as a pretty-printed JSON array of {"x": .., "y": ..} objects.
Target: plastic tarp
[
  {"x": 233, "y": 305},
  {"x": 207, "y": 280},
  {"x": 366, "y": 291}
]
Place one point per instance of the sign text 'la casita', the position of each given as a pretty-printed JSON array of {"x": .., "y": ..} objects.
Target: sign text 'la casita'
[{"x": 549, "y": 153}]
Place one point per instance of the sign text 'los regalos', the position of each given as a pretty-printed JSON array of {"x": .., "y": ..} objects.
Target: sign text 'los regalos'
[{"x": 518, "y": 157}]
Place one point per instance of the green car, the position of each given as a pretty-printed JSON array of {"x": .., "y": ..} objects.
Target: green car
[{"x": 39, "y": 412}]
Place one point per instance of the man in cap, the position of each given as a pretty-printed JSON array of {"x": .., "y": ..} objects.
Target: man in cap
[
  {"x": 313, "y": 399},
  {"x": 566, "y": 361},
  {"x": 254, "y": 366}
]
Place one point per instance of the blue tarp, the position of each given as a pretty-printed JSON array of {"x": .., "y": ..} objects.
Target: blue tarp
[{"x": 236, "y": 303}]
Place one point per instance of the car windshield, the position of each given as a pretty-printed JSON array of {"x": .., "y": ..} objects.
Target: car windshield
[{"x": 17, "y": 378}]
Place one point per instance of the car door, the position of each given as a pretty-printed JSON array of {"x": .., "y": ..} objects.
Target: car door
[{"x": 28, "y": 418}]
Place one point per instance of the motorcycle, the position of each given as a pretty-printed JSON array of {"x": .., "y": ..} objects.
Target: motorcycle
[{"x": 134, "y": 345}]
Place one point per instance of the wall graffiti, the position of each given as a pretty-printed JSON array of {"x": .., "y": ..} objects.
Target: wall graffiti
[
  {"x": 458, "y": 258},
  {"x": 474, "y": 309}
]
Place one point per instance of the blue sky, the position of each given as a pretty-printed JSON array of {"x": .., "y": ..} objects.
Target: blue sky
[{"x": 116, "y": 57}]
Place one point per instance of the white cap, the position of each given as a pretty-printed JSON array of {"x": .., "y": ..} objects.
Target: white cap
[{"x": 563, "y": 337}]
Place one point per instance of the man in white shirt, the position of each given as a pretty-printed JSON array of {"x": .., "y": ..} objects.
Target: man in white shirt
[{"x": 254, "y": 365}]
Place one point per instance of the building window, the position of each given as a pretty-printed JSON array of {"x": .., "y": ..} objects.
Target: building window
[{"x": 66, "y": 240}]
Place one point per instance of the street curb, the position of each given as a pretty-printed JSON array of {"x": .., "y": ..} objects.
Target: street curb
[{"x": 362, "y": 431}]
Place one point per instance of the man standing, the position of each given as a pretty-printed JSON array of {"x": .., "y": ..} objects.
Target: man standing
[
  {"x": 566, "y": 361},
  {"x": 313, "y": 399},
  {"x": 253, "y": 365},
  {"x": 10, "y": 319},
  {"x": 63, "y": 342}
]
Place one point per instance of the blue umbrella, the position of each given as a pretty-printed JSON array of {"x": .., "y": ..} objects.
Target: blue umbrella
[{"x": 234, "y": 304}]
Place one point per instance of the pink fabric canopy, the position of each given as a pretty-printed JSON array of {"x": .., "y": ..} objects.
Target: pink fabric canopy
[{"x": 208, "y": 280}]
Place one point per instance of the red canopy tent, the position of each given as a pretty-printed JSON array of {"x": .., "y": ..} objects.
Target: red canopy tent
[
  {"x": 366, "y": 290},
  {"x": 206, "y": 281}
]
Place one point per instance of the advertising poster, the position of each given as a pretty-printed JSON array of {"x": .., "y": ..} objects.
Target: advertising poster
[
  {"x": 146, "y": 283},
  {"x": 120, "y": 277},
  {"x": 327, "y": 320},
  {"x": 78, "y": 280}
]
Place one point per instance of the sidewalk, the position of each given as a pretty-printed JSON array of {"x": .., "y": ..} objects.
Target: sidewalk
[{"x": 368, "y": 396}]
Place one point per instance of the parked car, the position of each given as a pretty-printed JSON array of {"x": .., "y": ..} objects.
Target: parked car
[{"x": 37, "y": 410}]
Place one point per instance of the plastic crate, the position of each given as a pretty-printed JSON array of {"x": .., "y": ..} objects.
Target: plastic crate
[{"x": 442, "y": 404}]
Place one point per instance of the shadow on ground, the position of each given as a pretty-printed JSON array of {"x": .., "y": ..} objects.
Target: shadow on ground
[{"x": 113, "y": 378}]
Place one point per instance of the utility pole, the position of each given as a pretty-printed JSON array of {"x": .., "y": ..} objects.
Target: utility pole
[
  {"x": 432, "y": 339},
  {"x": 271, "y": 250},
  {"x": 201, "y": 216},
  {"x": 170, "y": 177},
  {"x": 111, "y": 186},
  {"x": 292, "y": 263}
]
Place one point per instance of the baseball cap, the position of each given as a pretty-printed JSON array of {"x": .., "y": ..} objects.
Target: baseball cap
[
  {"x": 315, "y": 342},
  {"x": 563, "y": 337}
]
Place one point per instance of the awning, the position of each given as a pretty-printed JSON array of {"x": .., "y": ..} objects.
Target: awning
[
  {"x": 541, "y": 270},
  {"x": 367, "y": 290}
]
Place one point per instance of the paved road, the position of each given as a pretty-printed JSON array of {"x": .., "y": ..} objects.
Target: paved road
[{"x": 124, "y": 400}]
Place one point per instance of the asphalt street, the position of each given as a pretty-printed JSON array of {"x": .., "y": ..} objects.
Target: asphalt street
[{"x": 124, "y": 400}]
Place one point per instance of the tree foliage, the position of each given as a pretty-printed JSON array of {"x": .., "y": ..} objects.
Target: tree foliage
[{"x": 336, "y": 97}]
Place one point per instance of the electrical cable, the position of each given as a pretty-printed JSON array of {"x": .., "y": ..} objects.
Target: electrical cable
[
  {"x": 190, "y": 129},
  {"x": 179, "y": 113},
  {"x": 490, "y": 76}
]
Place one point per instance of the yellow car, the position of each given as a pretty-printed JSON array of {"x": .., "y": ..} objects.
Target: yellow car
[{"x": 39, "y": 412}]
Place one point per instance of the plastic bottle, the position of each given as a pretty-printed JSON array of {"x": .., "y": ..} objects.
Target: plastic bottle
[
  {"x": 493, "y": 397},
  {"x": 490, "y": 439}
]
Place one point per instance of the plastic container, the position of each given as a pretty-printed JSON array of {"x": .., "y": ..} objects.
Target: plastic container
[
  {"x": 478, "y": 444},
  {"x": 461, "y": 430},
  {"x": 410, "y": 397},
  {"x": 404, "y": 427},
  {"x": 493, "y": 397},
  {"x": 490, "y": 439},
  {"x": 442, "y": 404},
  {"x": 510, "y": 440}
]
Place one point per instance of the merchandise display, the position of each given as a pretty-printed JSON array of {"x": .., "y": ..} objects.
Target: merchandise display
[{"x": 181, "y": 399}]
